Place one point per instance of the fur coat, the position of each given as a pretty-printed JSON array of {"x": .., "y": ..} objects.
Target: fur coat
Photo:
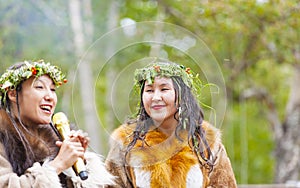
[
  {"x": 16, "y": 172},
  {"x": 167, "y": 162}
]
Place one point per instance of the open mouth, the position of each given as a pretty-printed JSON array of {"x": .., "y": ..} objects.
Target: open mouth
[{"x": 46, "y": 108}]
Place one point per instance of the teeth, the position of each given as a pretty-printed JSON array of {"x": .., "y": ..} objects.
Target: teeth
[{"x": 46, "y": 107}]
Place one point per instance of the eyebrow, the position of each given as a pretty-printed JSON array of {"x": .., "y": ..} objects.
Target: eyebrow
[
  {"x": 41, "y": 81},
  {"x": 163, "y": 84}
]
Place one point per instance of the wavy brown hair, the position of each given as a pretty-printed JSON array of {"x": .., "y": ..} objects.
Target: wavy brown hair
[{"x": 189, "y": 116}]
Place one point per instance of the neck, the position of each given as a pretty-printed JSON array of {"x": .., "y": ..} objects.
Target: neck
[
  {"x": 167, "y": 132},
  {"x": 167, "y": 127}
]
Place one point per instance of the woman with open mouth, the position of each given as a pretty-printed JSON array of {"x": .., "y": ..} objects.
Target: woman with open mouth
[{"x": 32, "y": 153}]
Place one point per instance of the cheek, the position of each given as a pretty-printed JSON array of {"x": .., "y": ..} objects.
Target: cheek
[
  {"x": 145, "y": 99},
  {"x": 54, "y": 101},
  {"x": 146, "y": 103},
  {"x": 170, "y": 97},
  {"x": 55, "y": 98},
  {"x": 26, "y": 98}
]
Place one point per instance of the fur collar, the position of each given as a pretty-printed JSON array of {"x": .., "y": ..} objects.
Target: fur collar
[
  {"x": 171, "y": 162},
  {"x": 122, "y": 137},
  {"x": 41, "y": 138}
]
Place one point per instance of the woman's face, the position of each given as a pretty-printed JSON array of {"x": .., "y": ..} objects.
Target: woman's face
[
  {"x": 37, "y": 100},
  {"x": 159, "y": 101}
]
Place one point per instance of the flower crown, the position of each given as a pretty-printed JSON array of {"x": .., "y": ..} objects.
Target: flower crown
[
  {"x": 15, "y": 75},
  {"x": 168, "y": 69}
]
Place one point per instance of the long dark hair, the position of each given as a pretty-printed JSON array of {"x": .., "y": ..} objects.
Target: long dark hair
[
  {"x": 189, "y": 116},
  {"x": 18, "y": 140}
]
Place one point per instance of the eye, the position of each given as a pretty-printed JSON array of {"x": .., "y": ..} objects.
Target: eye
[
  {"x": 39, "y": 87},
  {"x": 148, "y": 90},
  {"x": 165, "y": 89},
  {"x": 53, "y": 89}
]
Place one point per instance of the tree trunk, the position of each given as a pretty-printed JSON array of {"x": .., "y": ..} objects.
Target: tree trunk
[
  {"x": 86, "y": 80},
  {"x": 113, "y": 15},
  {"x": 288, "y": 146}
]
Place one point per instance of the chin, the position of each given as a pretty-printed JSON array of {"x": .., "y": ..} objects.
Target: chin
[
  {"x": 45, "y": 121},
  {"x": 158, "y": 117}
]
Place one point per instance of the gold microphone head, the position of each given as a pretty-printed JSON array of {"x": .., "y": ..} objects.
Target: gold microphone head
[
  {"x": 60, "y": 118},
  {"x": 61, "y": 123}
]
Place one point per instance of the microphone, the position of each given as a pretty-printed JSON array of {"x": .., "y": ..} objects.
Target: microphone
[{"x": 62, "y": 125}]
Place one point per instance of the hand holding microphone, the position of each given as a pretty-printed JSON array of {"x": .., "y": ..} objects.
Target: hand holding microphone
[{"x": 61, "y": 123}]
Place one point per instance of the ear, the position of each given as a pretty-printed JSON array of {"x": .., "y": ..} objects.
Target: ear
[{"x": 12, "y": 95}]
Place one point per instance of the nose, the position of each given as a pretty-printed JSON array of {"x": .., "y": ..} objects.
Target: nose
[
  {"x": 49, "y": 95},
  {"x": 156, "y": 96}
]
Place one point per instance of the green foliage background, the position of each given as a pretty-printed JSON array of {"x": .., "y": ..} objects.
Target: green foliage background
[{"x": 253, "y": 41}]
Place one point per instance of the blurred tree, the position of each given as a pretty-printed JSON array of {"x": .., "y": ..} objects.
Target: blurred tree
[
  {"x": 33, "y": 30},
  {"x": 80, "y": 18},
  {"x": 112, "y": 23}
]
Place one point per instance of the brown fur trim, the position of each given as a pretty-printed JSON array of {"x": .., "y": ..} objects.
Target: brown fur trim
[
  {"x": 168, "y": 159},
  {"x": 41, "y": 138},
  {"x": 222, "y": 175}
]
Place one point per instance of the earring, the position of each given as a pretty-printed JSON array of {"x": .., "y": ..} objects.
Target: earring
[
  {"x": 179, "y": 111},
  {"x": 180, "y": 118}
]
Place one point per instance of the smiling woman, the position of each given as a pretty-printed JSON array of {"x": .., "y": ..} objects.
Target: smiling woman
[
  {"x": 31, "y": 151},
  {"x": 37, "y": 100},
  {"x": 168, "y": 143}
]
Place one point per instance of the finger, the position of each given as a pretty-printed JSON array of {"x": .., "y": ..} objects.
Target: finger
[
  {"x": 73, "y": 133},
  {"x": 74, "y": 139},
  {"x": 73, "y": 148},
  {"x": 74, "y": 142},
  {"x": 80, "y": 134},
  {"x": 58, "y": 143},
  {"x": 85, "y": 142}
]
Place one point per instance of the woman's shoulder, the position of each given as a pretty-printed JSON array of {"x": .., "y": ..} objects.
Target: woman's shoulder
[
  {"x": 213, "y": 135},
  {"x": 123, "y": 130},
  {"x": 122, "y": 133},
  {"x": 222, "y": 174}
]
